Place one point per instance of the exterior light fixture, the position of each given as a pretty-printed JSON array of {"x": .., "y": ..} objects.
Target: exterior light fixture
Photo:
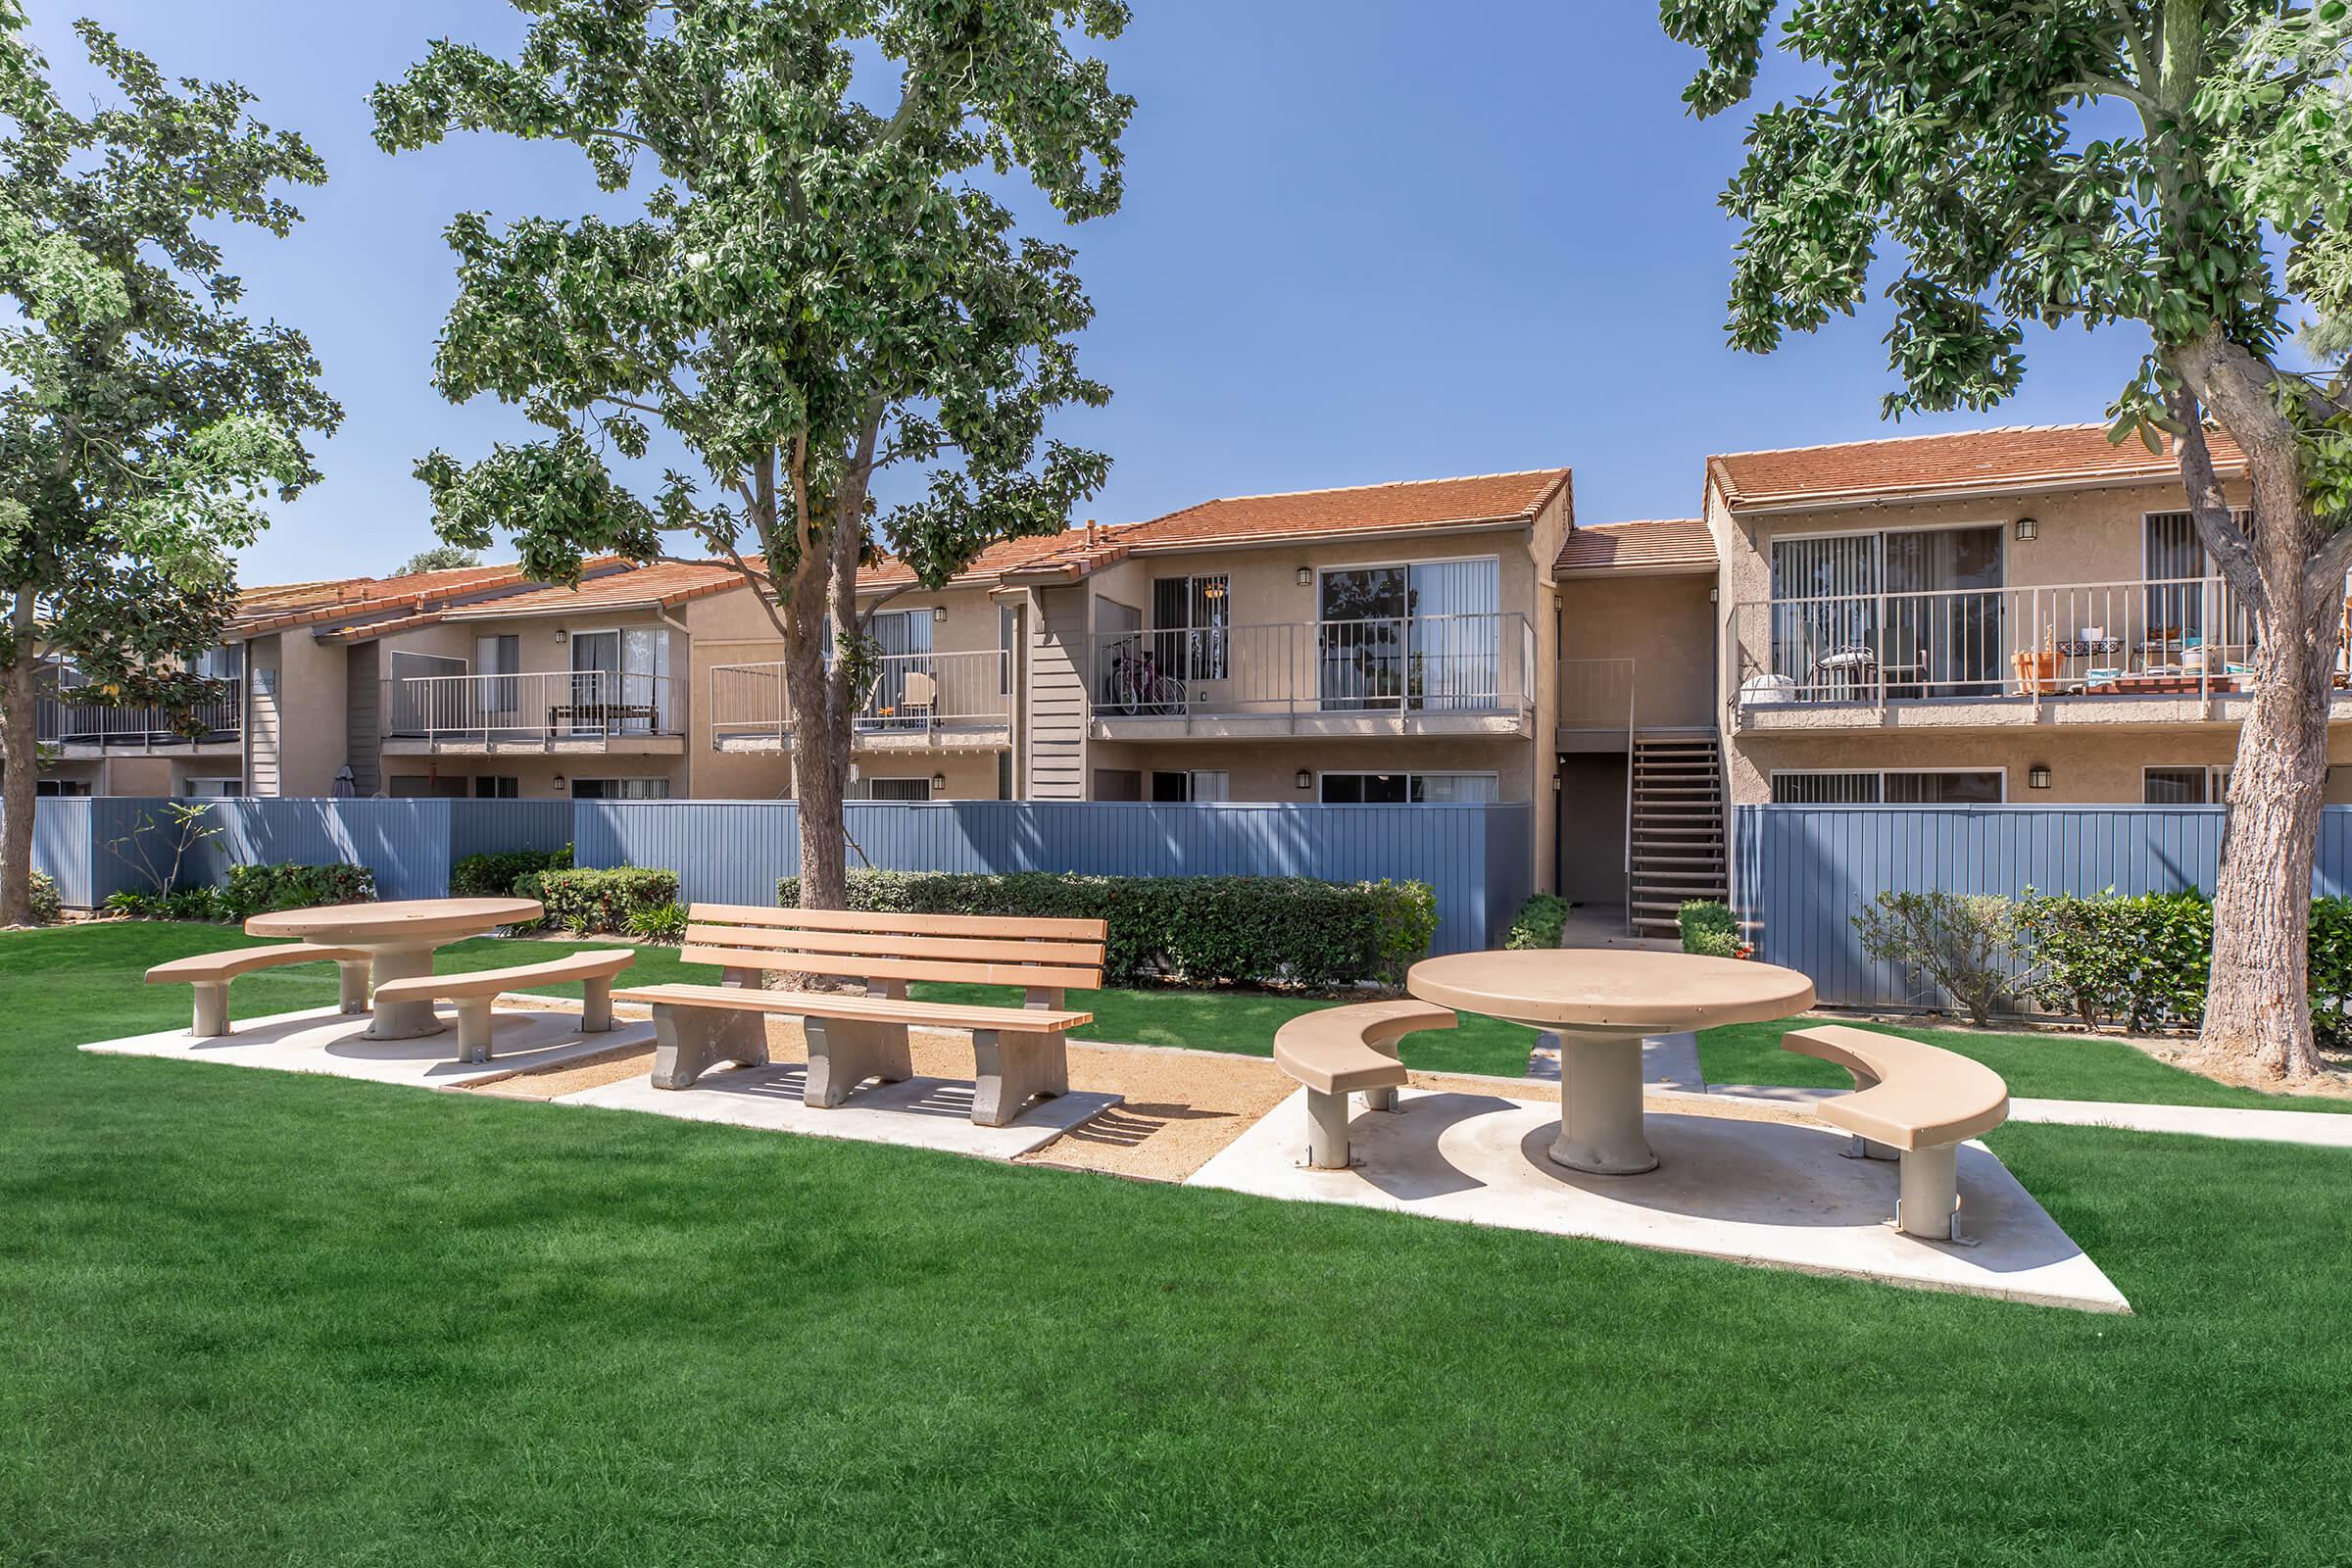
[
  {"x": 558, "y": 781},
  {"x": 1306, "y": 780},
  {"x": 2029, "y": 529},
  {"x": 2037, "y": 776},
  {"x": 562, "y": 635},
  {"x": 938, "y": 783},
  {"x": 1558, "y": 784},
  {"x": 939, "y": 612},
  {"x": 1307, "y": 576}
]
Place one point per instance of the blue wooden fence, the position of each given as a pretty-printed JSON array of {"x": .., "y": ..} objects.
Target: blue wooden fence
[
  {"x": 1800, "y": 872},
  {"x": 1478, "y": 857}
]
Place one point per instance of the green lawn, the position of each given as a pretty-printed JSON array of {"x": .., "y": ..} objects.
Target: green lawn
[
  {"x": 261, "y": 1318},
  {"x": 2044, "y": 1067}
]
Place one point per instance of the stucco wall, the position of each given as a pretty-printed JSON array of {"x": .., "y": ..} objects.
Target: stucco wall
[
  {"x": 2087, "y": 766},
  {"x": 1664, "y": 624}
]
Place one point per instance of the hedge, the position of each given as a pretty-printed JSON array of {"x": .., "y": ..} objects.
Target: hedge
[
  {"x": 1539, "y": 923},
  {"x": 47, "y": 907},
  {"x": 1202, "y": 930},
  {"x": 494, "y": 875},
  {"x": 1707, "y": 928},
  {"x": 253, "y": 889},
  {"x": 602, "y": 901}
]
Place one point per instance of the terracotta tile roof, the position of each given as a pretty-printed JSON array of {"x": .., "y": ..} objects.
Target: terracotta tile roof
[
  {"x": 659, "y": 585},
  {"x": 1005, "y": 555},
  {"x": 1972, "y": 462},
  {"x": 267, "y": 609},
  {"x": 1668, "y": 546},
  {"x": 1416, "y": 503}
]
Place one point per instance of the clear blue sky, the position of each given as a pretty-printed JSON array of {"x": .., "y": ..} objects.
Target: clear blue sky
[{"x": 1358, "y": 245}]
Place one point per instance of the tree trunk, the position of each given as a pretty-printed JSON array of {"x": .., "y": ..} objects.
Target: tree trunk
[
  {"x": 20, "y": 765},
  {"x": 820, "y": 769}
]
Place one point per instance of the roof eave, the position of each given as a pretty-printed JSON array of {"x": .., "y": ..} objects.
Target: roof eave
[{"x": 2036, "y": 484}]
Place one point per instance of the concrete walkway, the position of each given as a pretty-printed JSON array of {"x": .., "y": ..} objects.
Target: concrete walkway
[{"x": 2320, "y": 1128}]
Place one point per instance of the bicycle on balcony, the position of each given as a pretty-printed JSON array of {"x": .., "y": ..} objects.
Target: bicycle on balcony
[{"x": 1136, "y": 685}]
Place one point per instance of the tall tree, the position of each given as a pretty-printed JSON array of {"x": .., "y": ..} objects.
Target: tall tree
[
  {"x": 142, "y": 418},
  {"x": 438, "y": 558},
  {"x": 2182, "y": 164},
  {"x": 818, "y": 286}
]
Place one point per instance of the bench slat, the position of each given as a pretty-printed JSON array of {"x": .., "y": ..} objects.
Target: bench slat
[
  {"x": 876, "y": 1009},
  {"x": 852, "y": 967},
  {"x": 234, "y": 961},
  {"x": 1005, "y": 947},
  {"x": 991, "y": 925},
  {"x": 596, "y": 964}
]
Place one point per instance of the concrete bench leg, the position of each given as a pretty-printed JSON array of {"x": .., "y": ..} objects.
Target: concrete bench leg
[
  {"x": 1014, "y": 1065},
  {"x": 1929, "y": 1204},
  {"x": 690, "y": 1041},
  {"x": 1385, "y": 1096},
  {"x": 474, "y": 1026},
  {"x": 844, "y": 1052},
  {"x": 352, "y": 973},
  {"x": 596, "y": 1005},
  {"x": 1862, "y": 1147},
  {"x": 211, "y": 1009},
  {"x": 1327, "y": 1130}
]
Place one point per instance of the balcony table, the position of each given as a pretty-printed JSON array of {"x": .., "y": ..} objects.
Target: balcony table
[
  {"x": 400, "y": 937},
  {"x": 1601, "y": 1002}
]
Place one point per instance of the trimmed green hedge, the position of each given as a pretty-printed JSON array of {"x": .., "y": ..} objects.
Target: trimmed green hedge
[
  {"x": 495, "y": 875},
  {"x": 1539, "y": 922},
  {"x": 1204, "y": 930},
  {"x": 1708, "y": 928},
  {"x": 252, "y": 890},
  {"x": 602, "y": 901}
]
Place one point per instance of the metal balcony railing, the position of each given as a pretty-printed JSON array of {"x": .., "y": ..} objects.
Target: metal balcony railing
[
  {"x": 1404, "y": 664},
  {"x": 907, "y": 694},
  {"x": 541, "y": 707},
  {"x": 63, "y": 722},
  {"x": 2145, "y": 637}
]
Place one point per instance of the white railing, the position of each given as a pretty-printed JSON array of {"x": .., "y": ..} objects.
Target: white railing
[
  {"x": 909, "y": 694},
  {"x": 2167, "y": 636},
  {"x": 61, "y": 721},
  {"x": 541, "y": 705},
  {"x": 1397, "y": 665}
]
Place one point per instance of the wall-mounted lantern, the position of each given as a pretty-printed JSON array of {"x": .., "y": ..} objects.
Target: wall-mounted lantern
[
  {"x": 2038, "y": 777},
  {"x": 939, "y": 612},
  {"x": 938, "y": 783},
  {"x": 1306, "y": 780},
  {"x": 2028, "y": 530},
  {"x": 1307, "y": 576}
]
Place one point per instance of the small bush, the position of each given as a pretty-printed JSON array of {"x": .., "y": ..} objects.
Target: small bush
[
  {"x": 205, "y": 903},
  {"x": 1708, "y": 929},
  {"x": 2332, "y": 972},
  {"x": 664, "y": 923},
  {"x": 47, "y": 907},
  {"x": 604, "y": 901},
  {"x": 1966, "y": 943},
  {"x": 1538, "y": 922},
  {"x": 496, "y": 875},
  {"x": 2139, "y": 963},
  {"x": 1204, "y": 930},
  {"x": 289, "y": 884}
]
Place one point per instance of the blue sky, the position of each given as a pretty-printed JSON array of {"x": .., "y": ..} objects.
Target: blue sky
[{"x": 1356, "y": 246}]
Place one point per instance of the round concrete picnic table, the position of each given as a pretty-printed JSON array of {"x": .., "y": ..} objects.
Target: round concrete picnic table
[
  {"x": 399, "y": 938},
  {"x": 1601, "y": 1002}
]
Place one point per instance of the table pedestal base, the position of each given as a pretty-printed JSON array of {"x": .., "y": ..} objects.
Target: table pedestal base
[
  {"x": 402, "y": 1020},
  {"x": 1601, "y": 1105}
]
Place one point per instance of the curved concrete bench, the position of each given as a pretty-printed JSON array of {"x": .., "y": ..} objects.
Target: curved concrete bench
[
  {"x": 473, "y": 993},
  {"x": 1912, "y": 1102},
  {"x": 211, "y": 972},
  {"x": 1338, "y": 1050}
]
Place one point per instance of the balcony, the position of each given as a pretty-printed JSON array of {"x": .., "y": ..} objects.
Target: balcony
[
  {"x": 913, "y": 701},
  {"x": 1400, "y": 675},
  {"x": 554, "y": 711},
  {"x": 2135, "y": 651},
  {"x": 91, "y": 727}
]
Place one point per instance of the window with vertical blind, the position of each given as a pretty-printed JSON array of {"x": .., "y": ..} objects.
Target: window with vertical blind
[
  {"x": 1407, "y": 789},
  {"x": 2184, "y": 786},
  {"x": 1924, "y": 605},
  {"x": 1189, "y": 621},
  {"x": 1893, "y": 787}
]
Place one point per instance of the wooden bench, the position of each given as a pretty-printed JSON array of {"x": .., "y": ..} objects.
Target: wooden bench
[
  {"x": 211, "y": 972},
  {"x": 1338, "y": 1050},
  {"x": 474, "y": 992},
  {"x": 1017, "y": 1052},
  {"x": 1912, "y": 1102}
]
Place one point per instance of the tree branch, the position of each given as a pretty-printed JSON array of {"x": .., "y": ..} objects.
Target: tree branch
[
  {"x": 2231, "y": 552},
  {"x": 2094, "y": 85}
]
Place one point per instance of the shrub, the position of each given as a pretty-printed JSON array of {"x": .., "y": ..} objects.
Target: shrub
[
  {"x": 604, "y": 901},
  {"x": 1710, "y": 929},
  {"x": 201, "y": 903},
  {"x": 1206, "y": 930},
  {"x": 1538, "y": 922},
  {"x": 289, "y": 884},
  {"x": 496, "y": 875},
  {"x": 664, "y": 924},
  {"x": 1965, "y": 943},
  {"x": 2332, "y": 972},
  {"x": 47, "y": 907},
  {"x": 2137, "y": 961}
]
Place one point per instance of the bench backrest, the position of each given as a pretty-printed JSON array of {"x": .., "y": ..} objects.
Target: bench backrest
[{"x": 976, "y": 950}]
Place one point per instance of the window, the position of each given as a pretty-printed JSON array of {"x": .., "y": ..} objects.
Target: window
[
  {"x": 2178, "y": 598},
  {"x": 620, "y": 789},
  {"x": 1189, "y": 621},
  {"x": 2184, "y": 786},
  {"x": 498, "y": 655},
  {"x": 1421, "y": 635},
  {"x": 1003, "y": 775},
  {"x": 1177, "y": 788},
  {"x": 1008, "y": 642},
  {"x": 1894, "y": 787},
  {"x": 496, "y": 786},
  {"x": 423, "y": 785},
  {"x": 1921, "y": 607},
  {"x": 76, "y": 788},
  {"x": 225, "y": 663},
  {"x": 1407, "y": 789},
  {"x": 898, "y": 788},
  {"x": 215, "y": 788}
]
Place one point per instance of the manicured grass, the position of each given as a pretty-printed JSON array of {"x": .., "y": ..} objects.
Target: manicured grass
[
  {"x": 261, "y": 1318},
  {"x": 2040, "y": 1066}
]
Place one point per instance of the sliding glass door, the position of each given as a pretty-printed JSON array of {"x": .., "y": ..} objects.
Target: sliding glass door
[
  {"x": 1423, "y": 635},
  {"x": 1918, "y": 610}
]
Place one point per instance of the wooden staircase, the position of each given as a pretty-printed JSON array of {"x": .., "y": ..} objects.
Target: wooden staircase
[{"x": 1678, "y": 828}]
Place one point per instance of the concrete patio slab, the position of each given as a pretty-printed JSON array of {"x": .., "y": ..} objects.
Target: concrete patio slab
[
  {"x": 918, "y": 1113},
  {"x": 1769, "y": 1192},
  {"x": 2322, "y": 1129},
  {"x": 321, "y": 1040}
]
